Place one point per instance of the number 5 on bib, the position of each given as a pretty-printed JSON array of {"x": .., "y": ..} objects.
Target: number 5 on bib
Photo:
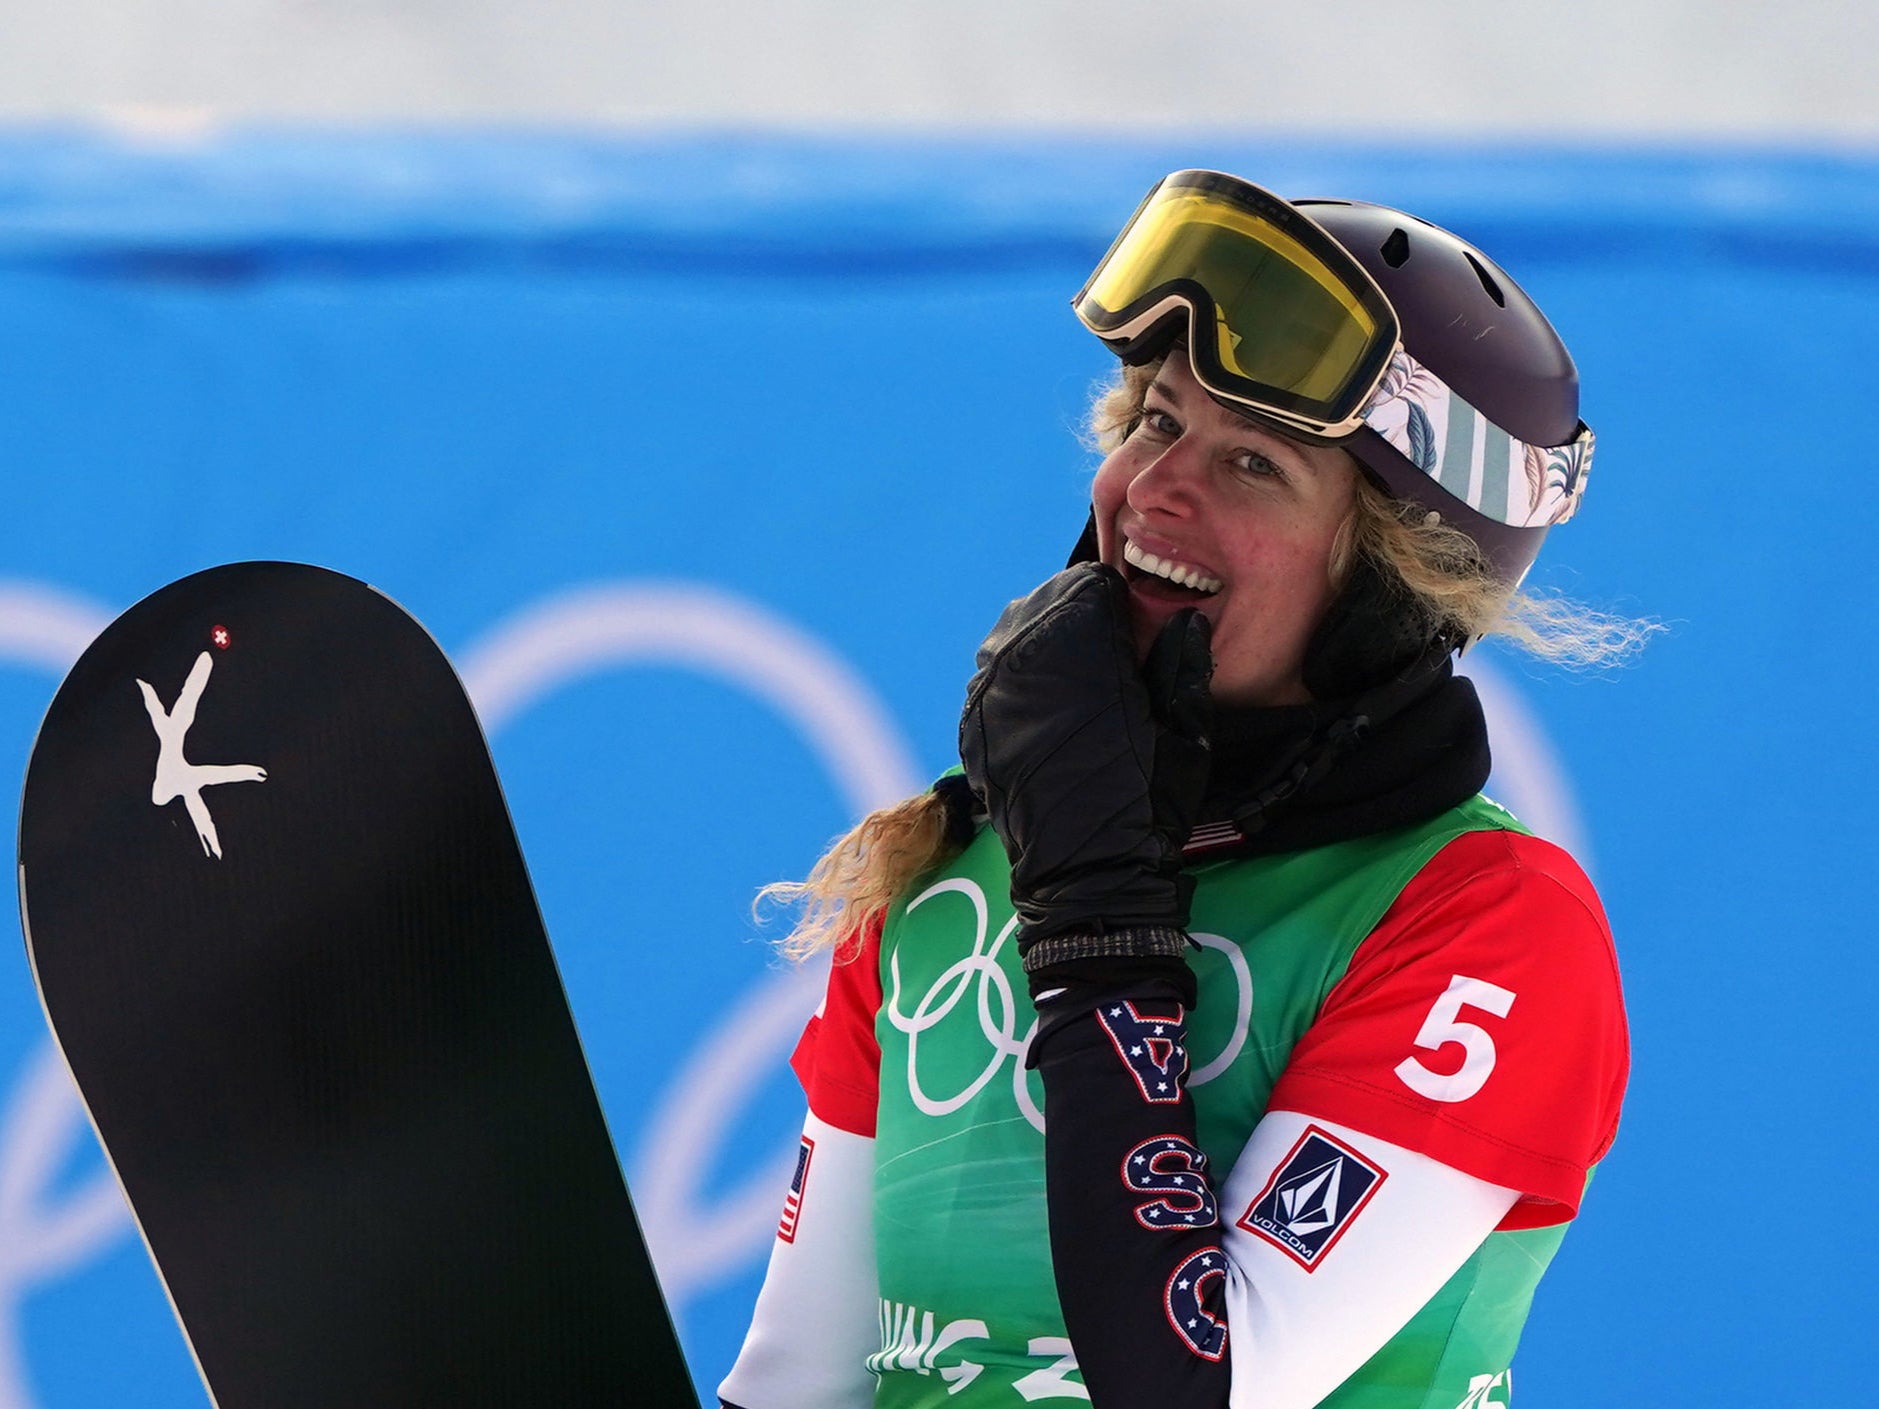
[{"x": 1443, "y": 1026}]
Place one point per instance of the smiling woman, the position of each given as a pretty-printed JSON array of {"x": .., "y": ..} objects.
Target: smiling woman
[
  {"x": 1201, "y": 507},
  {"x": 1440, "y": 567},
  {"x": 1225, "y": 752}
]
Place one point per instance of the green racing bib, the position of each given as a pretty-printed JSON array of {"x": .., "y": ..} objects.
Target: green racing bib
[{"x": 969, "y": 1312}]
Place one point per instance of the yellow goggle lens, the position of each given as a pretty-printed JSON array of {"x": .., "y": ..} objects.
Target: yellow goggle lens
[{"x": 1282, "y": 317}]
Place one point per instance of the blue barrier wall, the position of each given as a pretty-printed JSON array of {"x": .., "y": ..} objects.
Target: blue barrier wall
[{"x": 711, "y": 460}]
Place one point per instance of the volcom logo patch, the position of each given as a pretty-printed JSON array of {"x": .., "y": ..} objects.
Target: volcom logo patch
[
  {"x": 1321, "y": 1187},
  {"x": 176, "y": 776}
]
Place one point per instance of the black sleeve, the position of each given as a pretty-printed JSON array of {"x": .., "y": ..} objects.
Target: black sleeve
[{"x": 1134, "y": 1226}]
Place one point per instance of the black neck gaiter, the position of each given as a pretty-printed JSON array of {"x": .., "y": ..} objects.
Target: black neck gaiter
[{"x": 1386, "y": 758}]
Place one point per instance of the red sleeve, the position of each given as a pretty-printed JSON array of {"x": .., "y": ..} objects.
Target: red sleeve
[
  {"x": 838, "y": 1058},
  {"x": 1481, "y": 1023}
]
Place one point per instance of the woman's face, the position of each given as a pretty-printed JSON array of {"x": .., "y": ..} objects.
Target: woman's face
[{"x": 1201, "y": 492}]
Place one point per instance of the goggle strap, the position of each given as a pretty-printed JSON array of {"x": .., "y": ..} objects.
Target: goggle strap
[{"x": 1470, "y": 457}]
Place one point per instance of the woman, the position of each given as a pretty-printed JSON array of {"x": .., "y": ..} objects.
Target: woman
[{"x": 1327, "y": 1043}]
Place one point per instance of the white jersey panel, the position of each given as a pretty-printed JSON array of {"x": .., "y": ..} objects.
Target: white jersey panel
[
  {"x": 1335, "y": 1240},
  {"x": 817, "y": 1317}
]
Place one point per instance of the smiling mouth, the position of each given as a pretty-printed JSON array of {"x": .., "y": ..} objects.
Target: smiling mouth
[{"x": 1170, "y": 571}]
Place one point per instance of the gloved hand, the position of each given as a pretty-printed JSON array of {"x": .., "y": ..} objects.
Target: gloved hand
[{"x": 1091, "y": 768}]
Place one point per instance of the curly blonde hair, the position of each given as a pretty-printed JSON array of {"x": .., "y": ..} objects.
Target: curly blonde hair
[
  {"x": 858, "y": 877},
  {"x": 1442, "y": 568}
]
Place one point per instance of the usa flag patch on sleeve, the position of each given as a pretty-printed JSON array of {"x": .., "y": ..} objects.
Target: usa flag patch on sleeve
[
  {"x": 792, "y": 1201},
  {"x": 1318, "y": 1191}
]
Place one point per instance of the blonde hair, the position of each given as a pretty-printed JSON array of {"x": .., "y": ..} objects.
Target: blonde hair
[
  {"x": 859, "y": 876},
  {"x": 1442, "y": 568}
]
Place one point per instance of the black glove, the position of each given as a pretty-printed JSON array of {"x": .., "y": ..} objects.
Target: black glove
[{"x": 1091, "y": 768}]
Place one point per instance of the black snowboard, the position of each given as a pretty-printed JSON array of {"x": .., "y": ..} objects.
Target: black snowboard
[{"x": 305, "y": 991}]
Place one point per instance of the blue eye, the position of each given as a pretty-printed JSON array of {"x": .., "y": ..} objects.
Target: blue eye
[{"x": 1259, "y": 467}]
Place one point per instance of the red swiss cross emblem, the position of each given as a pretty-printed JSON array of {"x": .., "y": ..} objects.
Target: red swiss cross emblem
[{"x": 220, "y": 636}]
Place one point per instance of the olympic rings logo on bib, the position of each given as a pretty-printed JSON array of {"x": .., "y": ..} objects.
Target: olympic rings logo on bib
[{"x": 1000, "y": 1008}]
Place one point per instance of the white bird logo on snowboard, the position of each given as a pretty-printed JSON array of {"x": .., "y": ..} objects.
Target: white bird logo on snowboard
[{"x": 176, "y": 776}]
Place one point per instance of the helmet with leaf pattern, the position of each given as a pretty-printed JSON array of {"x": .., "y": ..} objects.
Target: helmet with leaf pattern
[
  {"x": 1471, "y": 337},
  {"x": 1351, "y": 324}
]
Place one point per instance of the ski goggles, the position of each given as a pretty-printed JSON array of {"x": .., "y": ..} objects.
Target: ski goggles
[{"x": 1283, "y": 321}]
